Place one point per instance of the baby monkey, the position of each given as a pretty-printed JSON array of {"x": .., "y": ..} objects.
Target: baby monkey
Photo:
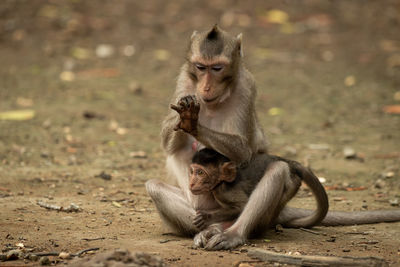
[{"x": 232, "y": 186}]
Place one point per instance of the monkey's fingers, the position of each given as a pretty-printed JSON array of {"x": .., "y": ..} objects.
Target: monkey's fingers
[
  {"x": 197, "y": 107},
  {"x": 200, "y": 226},
  {"x": 176, "y": 108},
  {"x": 184, "y": 102}
]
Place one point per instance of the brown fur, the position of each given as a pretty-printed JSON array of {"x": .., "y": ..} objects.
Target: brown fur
[
  {"x": 227, "y": 123},
  {"x": 232, "y": 186}
]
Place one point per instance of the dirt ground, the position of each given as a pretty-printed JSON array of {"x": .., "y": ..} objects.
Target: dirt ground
[{"x": 99, "y": 76}]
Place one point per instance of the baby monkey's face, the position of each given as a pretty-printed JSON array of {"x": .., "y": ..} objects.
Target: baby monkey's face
[
  {"x": 204, "y": 178},
  {"x": 201, "y": 179}
]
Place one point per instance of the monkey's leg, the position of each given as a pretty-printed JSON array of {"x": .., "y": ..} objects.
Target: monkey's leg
[
  {"x": 173, "y": 207},
  {"x": 259, "y": 210}
]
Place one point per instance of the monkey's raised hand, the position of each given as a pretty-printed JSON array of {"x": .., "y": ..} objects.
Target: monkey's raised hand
[
  {"x": 188, "y": 109},
  {"x": 200, "y": 220}
]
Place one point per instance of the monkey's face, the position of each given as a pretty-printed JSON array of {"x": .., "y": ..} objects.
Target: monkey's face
[
  {"x": 213, "y": 80},
  {"x": 201, "y": 179},
  {"x": 213, "y": 59}
]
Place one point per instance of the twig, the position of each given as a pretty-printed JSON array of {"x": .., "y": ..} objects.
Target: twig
[
  {"x": 42, "y": 254},
  {"x": 78, "y": 254},
  {"x": 4, "y": 257},
  {"x": 269, "y": 256},
  {"x": 93, "y": 239},
  {"x": 167, "y": 240},
  {"x": 356, "y": 233},
  {"x": 72, "y": 207},
  {"x": 311, "y": 231}
]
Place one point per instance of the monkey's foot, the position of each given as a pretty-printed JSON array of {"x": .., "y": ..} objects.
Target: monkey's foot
[
  {"x": 225, "y": 241},
  {"x": 201, "y": 239}
]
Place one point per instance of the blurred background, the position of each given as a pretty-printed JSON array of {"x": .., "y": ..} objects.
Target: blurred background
[{"x": 84, "y": 86}]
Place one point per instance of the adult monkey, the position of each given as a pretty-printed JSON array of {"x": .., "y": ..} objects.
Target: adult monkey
[{"x": 226, "y": 122}]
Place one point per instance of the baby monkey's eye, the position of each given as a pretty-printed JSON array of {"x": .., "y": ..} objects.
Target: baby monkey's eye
[{"x": 200, "y": 172}]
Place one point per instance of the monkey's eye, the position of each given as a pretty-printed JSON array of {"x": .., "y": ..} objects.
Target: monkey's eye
[
  {"x": 200, "y": 67},
  {"x": 200, "y": 172},
  {"x": 191, "y": 171},
  {"x": 217, "y": 67}
]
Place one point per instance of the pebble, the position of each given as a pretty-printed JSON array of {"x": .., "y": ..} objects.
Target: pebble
[
  {"x": 104, "y": 51},
  {"x": 349, "y": 153},
  {"x": 380, "y": 184},
  {"x": 44, "y": 261}
]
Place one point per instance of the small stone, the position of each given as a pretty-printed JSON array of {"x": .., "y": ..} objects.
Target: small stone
[
  {"x": 379, "y": 184},
  {"x": 388, "y": 175},
  {"x": 44, "y": 261},
  {"x": 138, "y": 154},
  {"x": 136, "y": 88},
  {"x": 331, "y": 239},
  {"x": 394, "y": 202},
  {"x": 105, "y": 176},
  {"x": 349, "y": 153},
  {"x": 14, "y": 254},
  {"x": 128, "y": 50},
  {"x": 33, "y": 257},
  {"x": 104, "y": 51},
  {"x": 64, "y": 255}
]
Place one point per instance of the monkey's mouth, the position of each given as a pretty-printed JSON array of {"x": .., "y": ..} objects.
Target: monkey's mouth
[
  {"x": 197, "y": 192},
  {"x": 210, "y": 100}
]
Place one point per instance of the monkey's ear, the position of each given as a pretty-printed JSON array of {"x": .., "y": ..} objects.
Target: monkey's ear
[
  {"x": 239, "y": 43},
  {"x": 193, "y": 35},
  {"x": 228, "y": 171}
]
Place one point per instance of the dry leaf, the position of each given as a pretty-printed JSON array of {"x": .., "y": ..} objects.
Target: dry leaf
[
  {"x": 275, "y": 111},
  {"x": 17, "y": 115},
  {"x": 394, "y": 109},
  {"x": 67, "y": 76},
  {"x": 276, "y": 16},
  {"x": 162, "y": 54},
  {"x": 360, "y": 188},
  {"x": 116, "y": 204},
  {"x": 350, "y": 80},
  {"x": 99, "y": 73}
]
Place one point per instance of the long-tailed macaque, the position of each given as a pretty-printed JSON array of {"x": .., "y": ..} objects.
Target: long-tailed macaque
[
  {"x": 214, "y": 108},
  {"x": 231, "y": 186}
]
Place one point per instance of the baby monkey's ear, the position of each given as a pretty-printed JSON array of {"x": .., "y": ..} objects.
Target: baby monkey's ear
[{"x": 228, "y": 171}]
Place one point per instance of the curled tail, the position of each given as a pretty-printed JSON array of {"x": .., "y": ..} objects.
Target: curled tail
[{"x": 312, "y": 181}]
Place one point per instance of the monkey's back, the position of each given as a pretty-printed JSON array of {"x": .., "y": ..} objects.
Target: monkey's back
[{"x": 248, "y": 176}]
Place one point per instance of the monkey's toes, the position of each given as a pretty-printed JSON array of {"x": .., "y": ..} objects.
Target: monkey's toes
[{"x": 224, "y": 241}]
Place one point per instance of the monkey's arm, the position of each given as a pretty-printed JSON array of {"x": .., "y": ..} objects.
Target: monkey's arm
[
  {"x": 204, "y": 218},
  {"x": 234, "y": 146},
  {"x": 171, "y": 140},
  {"x": 232, "y": 202}
]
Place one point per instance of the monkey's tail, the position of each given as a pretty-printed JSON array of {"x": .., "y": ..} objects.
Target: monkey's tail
[
  {"x": 312, "y": 181},
  {"x": 337, "y": 218}
]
